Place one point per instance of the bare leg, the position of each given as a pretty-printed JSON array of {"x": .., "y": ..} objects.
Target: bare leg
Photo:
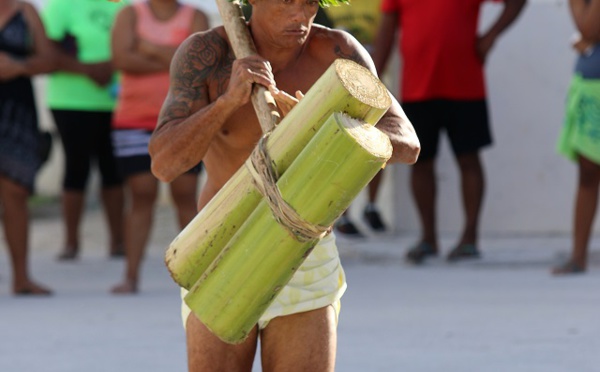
[
  {"x": 112, "y": 201},
  {"x": 300, "y": 342},
  {"x": 183, "y": 192},
  {"x": 72, "y": 208},
  {"x": 586, "y": 202},
  {"x": 16, "y": 229},
  {"x": 424, "y": 186},
  {"x": 472, "y": 186},
  {"x": 143, "y": 189},
  {"x": 206, "y": 352}
]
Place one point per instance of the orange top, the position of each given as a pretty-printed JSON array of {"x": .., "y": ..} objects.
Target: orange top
[{"x": 141, "y": 96}]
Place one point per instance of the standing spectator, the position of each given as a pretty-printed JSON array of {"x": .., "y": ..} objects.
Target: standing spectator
[
  {"x": 24, "y": 51},
  {"x": 443, "y": 88},
  {"x": 361, "y": 19},
  {"x": 579, "y": 140},
  {"x": 81, "y": 98},
  {"x": 144, "y": 39}
]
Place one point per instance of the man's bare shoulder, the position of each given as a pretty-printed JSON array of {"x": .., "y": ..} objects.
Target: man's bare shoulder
[
  {"x": 335, "y": 43},
  {"x": 211, "y": 44},
  {"x": 204, "y": 57}
]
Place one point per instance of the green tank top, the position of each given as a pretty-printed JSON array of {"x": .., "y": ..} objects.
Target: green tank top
[{"x": 83, "y": 28}]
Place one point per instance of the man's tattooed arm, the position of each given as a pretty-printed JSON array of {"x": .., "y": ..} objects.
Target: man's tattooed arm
[
  {"x": 190, "y": 118},
  {"x": 191, "y": 73},
  {"x": 354, "y": 51},
  {"x": 352, "y": 55}
]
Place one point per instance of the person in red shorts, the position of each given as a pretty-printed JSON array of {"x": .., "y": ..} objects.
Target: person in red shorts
[{"x": 443, "y": 88}]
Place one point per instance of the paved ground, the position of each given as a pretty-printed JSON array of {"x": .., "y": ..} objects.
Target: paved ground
[{"x": 502, "y": 313}]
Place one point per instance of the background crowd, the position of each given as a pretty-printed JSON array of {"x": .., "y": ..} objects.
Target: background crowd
[{"x": 107, "y": 66}]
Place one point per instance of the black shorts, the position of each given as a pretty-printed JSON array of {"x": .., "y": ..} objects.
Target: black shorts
[
  {"x": 465, "y": 122},
  {"x": 86, "y": 140}
]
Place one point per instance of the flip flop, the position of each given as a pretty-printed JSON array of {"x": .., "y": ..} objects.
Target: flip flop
[
  {"x": 463, "y": 251},
  {"x": 67, "y": 255},
  {"x": 417, "y": 254},
  {"x": 27, "y": 292}
]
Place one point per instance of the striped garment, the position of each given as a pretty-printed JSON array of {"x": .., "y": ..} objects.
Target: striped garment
[
  {"x": 130, "y": 142},
  {"x": 320, "y": 281}
]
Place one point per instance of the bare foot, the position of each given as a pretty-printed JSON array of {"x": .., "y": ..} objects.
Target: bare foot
[
  {"x": 30, "y": 289},
  {"x": 127, "y": 287}
]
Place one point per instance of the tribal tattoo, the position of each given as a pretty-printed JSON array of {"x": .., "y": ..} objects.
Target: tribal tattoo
[
  {"x": 207, "y": 60},
  {"x": 352, "y": 55}
]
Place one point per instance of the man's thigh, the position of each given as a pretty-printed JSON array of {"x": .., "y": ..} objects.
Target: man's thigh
[
  {"x": 206, "y": 352},
  {"x": 300, "y": 342}
]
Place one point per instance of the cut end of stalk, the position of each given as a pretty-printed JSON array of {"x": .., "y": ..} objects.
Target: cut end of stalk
[
  {"x": 369, "y": 137},
  {"x": 362, "y": 84}
]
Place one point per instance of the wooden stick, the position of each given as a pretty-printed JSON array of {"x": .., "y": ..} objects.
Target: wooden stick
[{"x": 243, "y": 46}]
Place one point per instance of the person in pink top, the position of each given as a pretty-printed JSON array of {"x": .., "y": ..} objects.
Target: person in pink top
[{"x": 144, "y": 39}]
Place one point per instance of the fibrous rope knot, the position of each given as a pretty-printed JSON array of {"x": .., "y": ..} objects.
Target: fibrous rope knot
[{"x": 264, "y": 177}]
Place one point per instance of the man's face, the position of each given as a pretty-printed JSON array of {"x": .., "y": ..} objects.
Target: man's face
[{"x": 288, "y": 22}]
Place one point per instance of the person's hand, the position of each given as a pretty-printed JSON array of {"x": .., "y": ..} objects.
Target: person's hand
[
  {"x": 484, "y": 45},
  {"x": 285, "y": 102},
  {"x": 101, "y": 73},
  {"x": 147, "y": 48},
  {"x": 244, "y": 73},
  {"x": 581, "y": 45},
  {"x": 9, "y": 67}
]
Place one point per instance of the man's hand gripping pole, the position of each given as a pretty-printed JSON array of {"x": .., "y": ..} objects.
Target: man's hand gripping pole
[{"x": 243, "y": 46}]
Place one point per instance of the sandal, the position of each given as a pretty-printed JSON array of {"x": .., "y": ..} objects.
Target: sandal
[
  {"x": 463, "y": 251},
  {"x": 345, "y": 227},
  {"x": 373, "y": 219},
  {"x": 568, "y": 267},
  {"x": 68, "y": 255},
  {"x": 417, "y": 254}
]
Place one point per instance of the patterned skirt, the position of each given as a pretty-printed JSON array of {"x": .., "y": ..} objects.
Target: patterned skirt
[
  {"x": 580, "y": 133},
  {"x": 19, "y": 142}
]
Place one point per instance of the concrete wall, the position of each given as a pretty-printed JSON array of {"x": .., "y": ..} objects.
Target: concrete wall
[{"x": 530, "y": 189}]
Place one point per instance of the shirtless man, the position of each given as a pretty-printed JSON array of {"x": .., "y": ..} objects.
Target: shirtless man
[{"x": 207, "y": 116}]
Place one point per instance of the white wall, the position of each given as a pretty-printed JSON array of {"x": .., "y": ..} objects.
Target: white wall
[{"x": 530, "y": 189}]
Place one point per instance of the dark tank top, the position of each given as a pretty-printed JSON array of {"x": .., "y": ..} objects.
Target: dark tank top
[
  {"x": 588, "y": 64},
  {"x": 15, "y": 39}
]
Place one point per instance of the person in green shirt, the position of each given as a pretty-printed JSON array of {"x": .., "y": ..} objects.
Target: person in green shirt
[{"x": 81, "y": 97}]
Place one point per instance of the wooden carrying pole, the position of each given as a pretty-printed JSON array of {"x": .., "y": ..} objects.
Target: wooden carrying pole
[{"x": 243, "y": 46}]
